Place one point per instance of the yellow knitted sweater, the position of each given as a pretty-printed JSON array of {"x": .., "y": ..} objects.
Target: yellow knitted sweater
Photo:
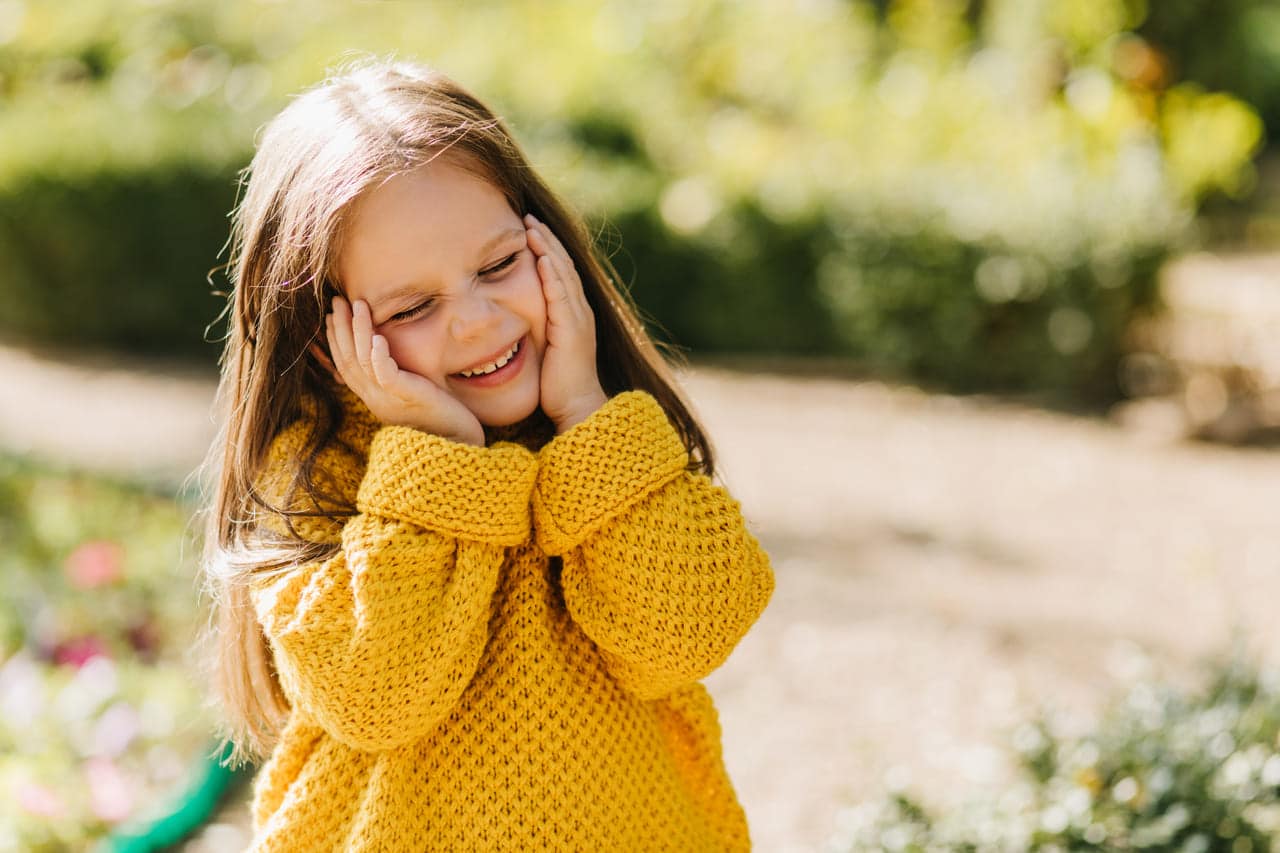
[{"x": 505, "y": 651}]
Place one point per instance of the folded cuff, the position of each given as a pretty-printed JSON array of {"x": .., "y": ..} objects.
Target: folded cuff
[
  {"x": 602, "y": 466},
  {"x": 476, "y": 493}
]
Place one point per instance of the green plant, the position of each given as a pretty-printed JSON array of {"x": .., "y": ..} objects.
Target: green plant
[
  {"x": 1164, "y": 770},
  {"x": 1228, "y": 45}
]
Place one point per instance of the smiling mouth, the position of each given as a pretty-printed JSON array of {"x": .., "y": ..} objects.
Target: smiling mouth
[{"x": 491, "y": 366}]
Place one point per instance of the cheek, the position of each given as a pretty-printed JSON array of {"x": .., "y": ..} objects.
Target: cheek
[
  {"x": 414, "y": 347},
  {"x": 533, "y": 304}
]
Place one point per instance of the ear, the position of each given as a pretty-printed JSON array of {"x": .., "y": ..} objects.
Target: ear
[{"x": 326, "y": 363}]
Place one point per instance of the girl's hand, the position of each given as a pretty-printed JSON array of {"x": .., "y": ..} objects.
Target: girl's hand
[
  {"x": 570, "y": 386},
  {"x": 398, "y": 397}
]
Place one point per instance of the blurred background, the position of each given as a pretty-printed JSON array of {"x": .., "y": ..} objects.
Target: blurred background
[{"x": 980, "y": 300}]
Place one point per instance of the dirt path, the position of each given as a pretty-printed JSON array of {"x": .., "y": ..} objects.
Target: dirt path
[{"x": 943, "y": 565}]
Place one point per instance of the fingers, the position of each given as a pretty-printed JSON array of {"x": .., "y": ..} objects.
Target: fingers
[
  {"x": 338, "y": 327},
  {"x": 394, "y": 395},
  {"x": 552, "y": 254},
  {"x": 384, "y": 368},
  {"x": 366, "y": 356},
  {"x": 556, "y": 267},
  {"x": 350, "y": 332},
  {"x": 553, "y": 280},
  {"x": 362, "y": 335}
]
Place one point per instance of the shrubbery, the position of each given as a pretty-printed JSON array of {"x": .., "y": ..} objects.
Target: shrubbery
[
  {"x": 71, "y": 279},
  {"x": 1163, "y": 771},
  {"x": 1231, "y": 45},
  {"x": 977, "y": 194}
]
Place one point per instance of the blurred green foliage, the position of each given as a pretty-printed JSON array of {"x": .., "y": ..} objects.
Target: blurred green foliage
[
  {"x": 1227, "y": 45},
  {"x": 1163, "y": 771},
  {"x": 976, "y": 193}
]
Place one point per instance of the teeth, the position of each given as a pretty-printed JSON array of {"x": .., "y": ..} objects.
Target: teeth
[{"x": 493, "y": 365}]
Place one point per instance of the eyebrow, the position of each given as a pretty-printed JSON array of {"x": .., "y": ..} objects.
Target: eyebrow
[{"x": 489, "y": 245}]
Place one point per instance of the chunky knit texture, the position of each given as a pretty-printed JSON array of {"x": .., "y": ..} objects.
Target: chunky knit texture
[{"x": 504, "y": 653}]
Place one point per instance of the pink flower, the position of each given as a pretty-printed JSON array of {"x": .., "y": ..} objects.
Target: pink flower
[
  {"x": 79, "y": 651},
  {"x": 110, "y": 793},
  {"x": 95, "y": 564},
  {"x": 41, "y": 800}
]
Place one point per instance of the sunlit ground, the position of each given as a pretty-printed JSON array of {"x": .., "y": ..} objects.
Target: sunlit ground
[{"x": 944, "y": 565}]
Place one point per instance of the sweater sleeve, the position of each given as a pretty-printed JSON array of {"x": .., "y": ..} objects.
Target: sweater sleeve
[
  {"x": 659, "y": 569},
  {"x": 378, "y": 641}
]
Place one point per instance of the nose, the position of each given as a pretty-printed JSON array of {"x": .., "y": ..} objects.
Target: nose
[{"x": 473, "y": 315}]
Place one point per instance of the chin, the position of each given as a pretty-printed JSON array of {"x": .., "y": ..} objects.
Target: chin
[
  {"x": 507, "y": 415},
  {"x": 500, "y": 422}
]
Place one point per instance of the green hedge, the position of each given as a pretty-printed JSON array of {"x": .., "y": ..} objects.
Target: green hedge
[
  {"x": 1018, "y": 323},
  {"x": 761, "y": 297},
  {"x": 830, "y": 178},
  {"x": 115, "y": 261}
]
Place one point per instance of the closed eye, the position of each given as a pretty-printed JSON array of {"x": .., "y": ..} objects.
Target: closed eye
[
  {"x": 410, "y": 313},
  {"x": 500, "y": 266},
  {"x": 423, "y": 307}
]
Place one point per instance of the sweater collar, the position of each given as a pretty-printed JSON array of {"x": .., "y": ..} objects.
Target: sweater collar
[{"x": 359, "y": 424}]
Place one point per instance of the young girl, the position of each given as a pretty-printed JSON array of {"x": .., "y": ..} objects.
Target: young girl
[{"x": 467, "y": 558}]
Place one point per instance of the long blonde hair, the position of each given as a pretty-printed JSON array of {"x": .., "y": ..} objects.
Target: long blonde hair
[{"x": 371, "y": 120}]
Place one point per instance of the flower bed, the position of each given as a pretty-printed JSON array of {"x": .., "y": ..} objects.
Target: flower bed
[{"x": 101, "y": 721}]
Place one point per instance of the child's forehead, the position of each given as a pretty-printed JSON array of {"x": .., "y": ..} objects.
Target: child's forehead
[
  {"x": 451, "y": 198},
  {"x": 434, "y": 220}
]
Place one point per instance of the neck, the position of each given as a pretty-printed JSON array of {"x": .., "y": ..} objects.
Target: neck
[{"x": 533, "y": 432}]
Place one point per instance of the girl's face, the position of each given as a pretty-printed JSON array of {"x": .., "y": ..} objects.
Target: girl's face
[{"x": 451, "y": 283}]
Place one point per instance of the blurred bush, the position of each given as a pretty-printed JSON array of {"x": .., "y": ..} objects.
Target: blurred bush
[
  {"x": 1229, "y": 45},
  {"x": 1164, "y": 770},
  {"x": 972, "y": 193}
]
